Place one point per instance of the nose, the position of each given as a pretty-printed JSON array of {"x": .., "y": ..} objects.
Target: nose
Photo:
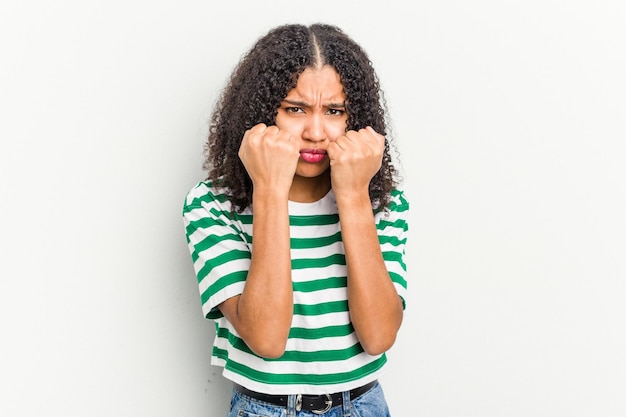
[{"x": 315, "y": 128}]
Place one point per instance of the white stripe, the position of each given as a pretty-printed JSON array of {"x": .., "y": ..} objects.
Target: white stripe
[
  {"x": 312, "y": 274},
  {"x": 318, "y": 253},
  {"x": 300, "y": 388},
  {"x": 314, "y": 231},
  {"x": 315, "y": 345},
  {"x": 323, "y": 320}
]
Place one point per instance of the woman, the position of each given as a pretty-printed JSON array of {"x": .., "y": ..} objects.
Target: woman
[{"x": 298, "y": 232}]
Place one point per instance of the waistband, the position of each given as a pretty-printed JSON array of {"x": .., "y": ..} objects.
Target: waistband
[{"x": 317, "y": 404}]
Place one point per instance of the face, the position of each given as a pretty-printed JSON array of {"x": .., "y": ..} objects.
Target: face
[{"x": 314, "y": 112}]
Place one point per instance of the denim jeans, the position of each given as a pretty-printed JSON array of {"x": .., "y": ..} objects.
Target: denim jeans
[{"x": 370, "y": 404}]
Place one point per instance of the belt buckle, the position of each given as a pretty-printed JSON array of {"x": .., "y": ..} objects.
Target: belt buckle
[{"x": 329, "y": 404}]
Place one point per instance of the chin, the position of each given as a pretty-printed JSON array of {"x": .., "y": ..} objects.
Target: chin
[{"x": 312, "y": 171}]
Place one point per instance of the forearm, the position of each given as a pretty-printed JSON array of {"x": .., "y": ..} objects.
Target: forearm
[
  {"x": 375, "y": 307},
  {"x": 264, "y": 310}
]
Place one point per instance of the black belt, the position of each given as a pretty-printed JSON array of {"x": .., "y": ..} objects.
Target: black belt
[{"x": 317, "y": 404}]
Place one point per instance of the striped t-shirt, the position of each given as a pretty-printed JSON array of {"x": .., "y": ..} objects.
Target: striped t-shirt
[{"x": 322, "y": 354}]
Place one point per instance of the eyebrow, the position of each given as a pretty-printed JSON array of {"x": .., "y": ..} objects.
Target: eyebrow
[{"x": 304, "y": 104}]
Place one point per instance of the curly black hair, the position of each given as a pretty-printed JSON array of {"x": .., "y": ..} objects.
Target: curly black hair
[{"x": 262, "y": 79}]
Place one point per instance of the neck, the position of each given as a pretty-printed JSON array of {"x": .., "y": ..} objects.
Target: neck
[{"x": 308, "y": 190}]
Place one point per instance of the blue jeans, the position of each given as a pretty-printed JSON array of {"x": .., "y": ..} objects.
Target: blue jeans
[{"x": 370, "y": 404}]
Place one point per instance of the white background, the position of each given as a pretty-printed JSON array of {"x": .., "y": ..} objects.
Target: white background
[{"x": 510, "y": 120}]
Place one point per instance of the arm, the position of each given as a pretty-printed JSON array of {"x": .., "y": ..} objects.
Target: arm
[
  {"x": 262, "y": 313},
  {"x": 375, "y": 307}
]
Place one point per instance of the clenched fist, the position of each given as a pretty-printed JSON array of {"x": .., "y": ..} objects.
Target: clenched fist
[
  {"x": 270, "y": 156},
  {"x": 354, "y": 159}
]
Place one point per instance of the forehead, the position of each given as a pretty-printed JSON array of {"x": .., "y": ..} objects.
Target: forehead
[{"x": 318, "y": 84}]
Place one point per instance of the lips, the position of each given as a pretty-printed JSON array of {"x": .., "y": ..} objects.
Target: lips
[{"x": 313, "y": 155}]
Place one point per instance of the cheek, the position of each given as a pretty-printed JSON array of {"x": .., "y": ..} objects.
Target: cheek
[
  {"x": 334, "y": 130},
  {"x": 289, "y": 124},
  {"x": 279, "y": 121}
]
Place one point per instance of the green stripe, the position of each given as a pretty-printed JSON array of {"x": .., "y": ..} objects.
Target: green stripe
[
  {"x": 398, "y": 279},
  {"x": 321, "y": 220},
  {"x": 399, "y": 207},
  {"x": 203, "y": 223},
  {"x": 209, "y": 242},
  {"x": 223, "y": 282},
  {"x": 320, "y": 284},
  {"x": 214, "y": 314},
  {"x": 244, "y": 218},
  {"x": 398, "y": 202},
  {"x": 338, "y": 258},
  {"x": 222, "y": 332},
  {"x": 317, "y": 220},
  {"x": 399, "y": 224},
  {"x": 322, "y": 308},
  {"x": 220, "y": 260},
  {"x": 392, "y": 240},
  {"x": 220, "y": 353},
  {"x": 328, "y": 331},
  {"x": 394, "y": 257},
  {"x": 318, "y": 242}
]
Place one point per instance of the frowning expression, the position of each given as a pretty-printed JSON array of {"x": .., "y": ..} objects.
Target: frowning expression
[{"x": 314, "y": 112}]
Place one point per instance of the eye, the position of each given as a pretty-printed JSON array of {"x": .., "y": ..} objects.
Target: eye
[
  {"x": 336, "y": 112},
  {"x": 293, "y": 109}
]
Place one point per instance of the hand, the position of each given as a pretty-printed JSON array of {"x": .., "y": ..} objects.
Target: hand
[
  {"x": 354, "y": 159},
  {"x": 270, "y": 156}
]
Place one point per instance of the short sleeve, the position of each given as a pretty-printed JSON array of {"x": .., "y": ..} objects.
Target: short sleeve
[
  {"x": 392, "y": 227},
  {"x": 218, "y": 245}
]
